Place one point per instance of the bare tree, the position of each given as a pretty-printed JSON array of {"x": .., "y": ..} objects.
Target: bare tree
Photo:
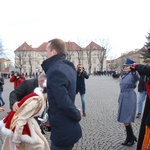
[
  {"x": 89, "y": 49},
  {"x": 68, "y": 55},
  {"x": 79, "y": 53},
  {"x": 102, "y": 54},
  {"x": 30, "y": 64},
  {"x": 70, "y": 49},
  {"x": 43, "y": 55},
  {"x": 20, "y": 59}
]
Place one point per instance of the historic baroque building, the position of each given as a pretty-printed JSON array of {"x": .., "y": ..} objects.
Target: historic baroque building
[
  {"x": 29, "y": 60},
  {"x": 117, "y": 64}
]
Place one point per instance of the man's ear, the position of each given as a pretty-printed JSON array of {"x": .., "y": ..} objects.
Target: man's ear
[{"x": 54, "y": 52}]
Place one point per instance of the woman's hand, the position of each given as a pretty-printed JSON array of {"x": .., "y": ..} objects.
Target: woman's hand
[{"x": 134, "y": 65}]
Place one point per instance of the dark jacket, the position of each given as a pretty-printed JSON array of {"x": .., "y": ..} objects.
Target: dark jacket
[
  {"x": 25, "y": 88},
  {"x": 61, "y": 89},
  {"x": 144, "y": 70},
  {"x": 81, "y": 83},
  {"x": 142, "y": 83},
  {"x": 1, "y": 84}
]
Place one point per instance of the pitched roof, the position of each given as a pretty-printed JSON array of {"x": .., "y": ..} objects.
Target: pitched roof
[
  {"x": 131, "y": 53},
  {"x": 42, "y": 47},
  {"x": 72, "y": 46},
  {"x": 4, "y": 59},
  {"x": 93, "y": 46},
  {"x": 24, "y": 46}
]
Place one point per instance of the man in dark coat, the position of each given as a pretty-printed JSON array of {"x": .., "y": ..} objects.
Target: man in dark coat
[
  {"x": 81, "y": 75},
  {"x": 61, "y": 89},
  {"x": 145, "y": 70},
  {"x": 25, "y": 88}
]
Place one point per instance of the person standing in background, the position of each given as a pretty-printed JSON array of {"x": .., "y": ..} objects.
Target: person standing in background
[
  {"x": 81, "y": 75},
  {"x": 127, "y": 101},
  {"x": 142, "y": 90},
  {"x": 64, "y": 116},
  {"x": 1, "y": 91},
  {"x": 142, "y": 95},
  {"x": 23, "y": 76},
  {"x": 16, "y": 79}
]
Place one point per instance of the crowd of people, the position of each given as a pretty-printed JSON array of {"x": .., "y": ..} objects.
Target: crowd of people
[
  {"x": 28, "y": 101},
  {"x": 54, "y": 90}
]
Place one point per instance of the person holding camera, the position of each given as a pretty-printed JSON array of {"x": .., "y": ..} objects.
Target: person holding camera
[
  {"x": 2, "y": 103},
  {"x": 81, "y": 75},
  {"x": 16, "y": 78}
]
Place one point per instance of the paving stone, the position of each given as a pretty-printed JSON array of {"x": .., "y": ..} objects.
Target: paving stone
[{"x": 100, "y": 128}]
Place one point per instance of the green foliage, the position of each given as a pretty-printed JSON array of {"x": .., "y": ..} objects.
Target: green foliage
[{"x": 145, "y": 52}]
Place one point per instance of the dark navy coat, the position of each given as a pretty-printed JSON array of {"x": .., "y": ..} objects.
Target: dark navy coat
[
  {"x": 1, "y": 84},
  {"x": 81, "y": 83},
  {"x": 61, "y": 89}
]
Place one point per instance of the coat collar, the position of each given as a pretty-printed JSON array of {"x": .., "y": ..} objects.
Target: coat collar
[{"x": 48, "y": 62}]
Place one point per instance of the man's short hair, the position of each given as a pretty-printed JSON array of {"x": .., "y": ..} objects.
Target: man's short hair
[
  {"x": 42, "y": 76},
  {"x": 58, "y": 44}
]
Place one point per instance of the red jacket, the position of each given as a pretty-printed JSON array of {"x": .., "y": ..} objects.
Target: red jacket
[{"x": 17, "y": 81}]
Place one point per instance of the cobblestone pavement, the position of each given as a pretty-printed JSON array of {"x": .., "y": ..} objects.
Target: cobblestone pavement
[{"x": 101, "y": 131}]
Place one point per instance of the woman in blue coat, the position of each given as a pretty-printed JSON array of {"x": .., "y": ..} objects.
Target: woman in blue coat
[{"x": 127, "y": 101}]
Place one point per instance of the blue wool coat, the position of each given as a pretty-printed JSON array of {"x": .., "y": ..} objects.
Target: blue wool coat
[
  {"x": 61, "y": 89},
  {"x": 127, "y": 98}
]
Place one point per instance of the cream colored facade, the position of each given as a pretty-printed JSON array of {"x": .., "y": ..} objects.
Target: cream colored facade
[
  {"x": 5, "y": 63},
  {"x": 35, "y": 58},
  {"x": 37, "y": 55},
  {"x": 117, "y": 64},
  {"x": 84, "y": 60}
]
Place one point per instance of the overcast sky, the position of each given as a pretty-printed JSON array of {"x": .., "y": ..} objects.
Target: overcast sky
[{"x": 124, "y": 23}]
